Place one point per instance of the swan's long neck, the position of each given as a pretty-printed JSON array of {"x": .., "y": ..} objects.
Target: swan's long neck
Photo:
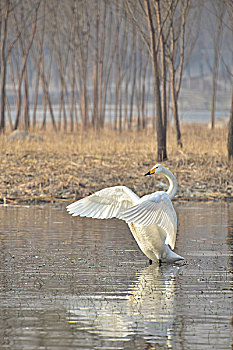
[{"x": 172, "y": 183}]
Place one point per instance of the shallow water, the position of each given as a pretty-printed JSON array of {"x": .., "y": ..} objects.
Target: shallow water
[{"x": 77, "y": 283}]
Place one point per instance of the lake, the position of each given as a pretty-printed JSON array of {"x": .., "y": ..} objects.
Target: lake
[
  {"x": 78, "y": 283},
  {"x": 194, "y": 115}
]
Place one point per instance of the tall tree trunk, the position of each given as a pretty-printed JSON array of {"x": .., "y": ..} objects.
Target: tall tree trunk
[
  {"x": 95, "y": 116},
  {"x": 26, "y": 103},
  {"x": 109, "y": 60},
  {"x": 72, "y": 107},
  {"x": 5, "y": 9},
  {"x": 9, "y": 114},
  {"x": 37, "y": 83},
  {"x": 126, "y": 96},
  {"x": 143, "y": 99},
  {"x": 161, "y": 145},
  {"x": 82, "y": 64},
  {"x": 215, "y": 70},
  {"x": 175, "y": 105},
  {"x": 47, "y": 99},
  {"x": 138, "y": 93},
  {"x": 133, "y": 84},
  {"x": 163, "y": 73},
  {"x": 117, "y": 77},
  {"x": 44, "y": 82},
  {"x": 176, "y": 72},
  {"x": 101, "y": 65},
  {"x": 25, "y": 53},
  {"x": 43, "y": 125}
]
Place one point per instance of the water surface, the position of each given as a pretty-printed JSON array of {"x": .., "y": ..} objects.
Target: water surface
[{"x": 78, "y": 283}]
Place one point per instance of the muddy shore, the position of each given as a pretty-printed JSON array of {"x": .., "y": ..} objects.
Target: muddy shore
[{"x": 61, "y": 168}]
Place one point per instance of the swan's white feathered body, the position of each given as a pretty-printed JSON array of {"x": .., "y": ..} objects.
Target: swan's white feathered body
[{"x": 151, "y": 219}]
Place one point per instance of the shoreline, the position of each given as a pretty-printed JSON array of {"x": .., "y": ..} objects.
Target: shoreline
[{"x": 60, "y": 202}]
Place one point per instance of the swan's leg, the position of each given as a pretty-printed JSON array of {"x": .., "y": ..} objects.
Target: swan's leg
[{"x": 150, "y": 261}]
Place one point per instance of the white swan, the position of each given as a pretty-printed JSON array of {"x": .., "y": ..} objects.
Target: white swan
[{"x": 151, "y": 219}]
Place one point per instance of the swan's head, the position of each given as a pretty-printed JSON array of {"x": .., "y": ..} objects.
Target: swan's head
[{"x": 157, "y": 169}]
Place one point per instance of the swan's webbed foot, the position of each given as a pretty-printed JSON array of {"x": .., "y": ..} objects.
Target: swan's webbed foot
[
  {"x": 160, "y": 262},
  {"x": 150, "y": 262}
]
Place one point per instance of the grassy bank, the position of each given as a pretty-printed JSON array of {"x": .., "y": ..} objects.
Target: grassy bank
[{"x": 64, "y": 167}]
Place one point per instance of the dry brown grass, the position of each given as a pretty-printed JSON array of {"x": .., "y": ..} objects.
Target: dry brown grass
[{"x": 67, "y": 166}]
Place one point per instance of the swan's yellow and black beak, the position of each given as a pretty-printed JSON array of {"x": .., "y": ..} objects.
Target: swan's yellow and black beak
[{"x": 150, "y": 172}]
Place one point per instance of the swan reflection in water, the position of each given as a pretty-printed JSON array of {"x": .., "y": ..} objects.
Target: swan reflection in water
[{"x": 147, "y": 309}]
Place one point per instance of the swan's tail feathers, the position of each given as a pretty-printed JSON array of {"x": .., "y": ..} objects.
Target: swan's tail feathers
[
  {"x": 172, "y": 257},
  {"x": 178, "y": 257}
]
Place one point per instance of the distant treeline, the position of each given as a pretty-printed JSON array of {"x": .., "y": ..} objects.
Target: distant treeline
[{"x": 87, "y": 55}]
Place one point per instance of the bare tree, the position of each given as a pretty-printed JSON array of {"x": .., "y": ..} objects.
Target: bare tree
[
  {"x": 218, "y": 8},
  {"x": 229, "y": 11},
  {"x": 161, "y": 126},
  {"x": 40, "y": 65},
  {"x": 146, "y": 16},
  {"x": 175, "y": 54},
  {"x": 108, "y": 51},
  {"x": 154, "y": 21},
  {"x": 82, "y": 40},
  {"x": 25, "y": 53},
  {"x": 96, "y": 78},
  {"x": 4, "y": 22},
  {"x": 134, "y": 75}
]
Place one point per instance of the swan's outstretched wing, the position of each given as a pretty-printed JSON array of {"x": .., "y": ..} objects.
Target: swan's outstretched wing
[
  {"x": 104, "y": 204},
  {"x": 157, "y": 209}
]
